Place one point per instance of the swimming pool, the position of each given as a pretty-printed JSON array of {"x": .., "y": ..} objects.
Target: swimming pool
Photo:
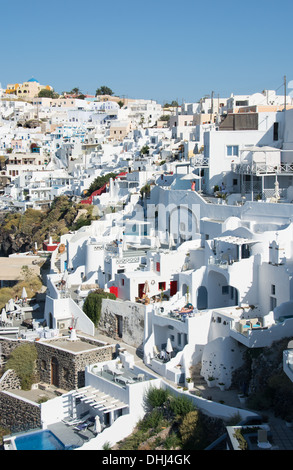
[{"x": 39, "y": 440}]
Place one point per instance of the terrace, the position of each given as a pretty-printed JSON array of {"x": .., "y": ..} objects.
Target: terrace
[{"x": 117, "y": 374}]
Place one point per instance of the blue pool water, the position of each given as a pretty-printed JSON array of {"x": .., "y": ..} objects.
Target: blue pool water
[{"x": 40, "y": 440}]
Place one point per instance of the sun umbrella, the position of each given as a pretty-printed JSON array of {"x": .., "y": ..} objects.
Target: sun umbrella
[
  {"x": 191, "y": 176},
  {"x": 169, "y": 347},
  {"x": 98, "y": 427},
  {"x": 146, "y": 287},
  {"x": 11, "y": 305},
  {"x": 23, "y": 294},
  {"x": 3, "y": 316},
  {"x": 124, "y": 245}
]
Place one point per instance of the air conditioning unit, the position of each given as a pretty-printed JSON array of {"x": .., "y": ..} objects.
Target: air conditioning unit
[{"x": 61, "y": 326}]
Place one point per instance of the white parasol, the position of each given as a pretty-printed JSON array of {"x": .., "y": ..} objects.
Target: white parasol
[
  {"x": 124, "y": 244},
  {"x": 3, "y": 316},
  {"x": 169, "y": 347},
  {"x": 98, "y": 427},
  {"x": 11, "y": 306},
  {"x": 146, "y": 288},
  {"x": 191, "y": 176},
  {"x": 23, "y": 294}
]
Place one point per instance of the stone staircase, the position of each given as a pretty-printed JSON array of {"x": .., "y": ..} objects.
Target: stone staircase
[{"x": 198, "y": 380}]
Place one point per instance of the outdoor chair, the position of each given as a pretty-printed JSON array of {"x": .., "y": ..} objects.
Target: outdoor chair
[{"x": 85, "y": 424}]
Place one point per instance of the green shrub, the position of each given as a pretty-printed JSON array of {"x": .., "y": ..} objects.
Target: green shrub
[
  {"x": 172, "y": 441},
  {"x": 180, "y": 406},
  {"x": 93, "y": 304},
  {"x": 22, "y": 360},
  {"x": 188, "y": 425},
  {"x": 152, "y": 421},
  {"x": 157, "y": 397},
  {"x": 133, "y": 441}
]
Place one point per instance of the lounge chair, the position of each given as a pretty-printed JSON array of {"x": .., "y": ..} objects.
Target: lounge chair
[
  {"x": 85, "y": 424},
  {"x": 75, "y": 421},
  {"x": 81, "y": 427},
  {"x": 71, "y": 421}
]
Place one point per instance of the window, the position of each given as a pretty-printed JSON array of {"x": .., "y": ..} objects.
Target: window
[
  {"x": 232, "y": 150},
  {"x": 66, "y": 374},
  {"x": 225, "y": 290},
  {"x": 235, "y": 182},
  {"x": 162, "y": 285},
  {"x": 158, "y": 267},
  {"x": 273, "y": 289},
  {"x": 276, "y": 131}
]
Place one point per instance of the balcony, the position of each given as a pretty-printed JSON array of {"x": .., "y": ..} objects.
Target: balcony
[{"x": 259, "y": 169}]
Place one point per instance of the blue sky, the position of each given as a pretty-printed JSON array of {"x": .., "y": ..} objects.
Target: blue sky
[{"x": 158, "y": 49}]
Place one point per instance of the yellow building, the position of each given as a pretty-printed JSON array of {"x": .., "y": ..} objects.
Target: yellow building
[{"x": 27, "y": 90}]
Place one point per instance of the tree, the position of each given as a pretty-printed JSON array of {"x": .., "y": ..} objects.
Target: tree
[
  {"x": 93, "y": 304},
  {"x": 145, "y": 150},
  {"x": 75, "y": 91},
  {"x": 99, "y": 181},
  {"x": 104, "y": 90},
  {"x": 173, "y": 104},
  {"x": 46, "y": 93}
]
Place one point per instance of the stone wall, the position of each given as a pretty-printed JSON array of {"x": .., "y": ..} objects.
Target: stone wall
[
  {"x": 18, "y": 415},
  {"x": 8, "y": 345},
  {"x": 123, "y": 320},
  {"x": 10, "y": 380},
  {"x": 70, "y": 366}
]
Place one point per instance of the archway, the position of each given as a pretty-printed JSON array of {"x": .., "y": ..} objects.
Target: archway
[
  {"x": 202, "y": 298},
  {"x": 220, "y": 292}
]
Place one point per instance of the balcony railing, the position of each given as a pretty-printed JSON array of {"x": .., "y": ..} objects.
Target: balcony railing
[{"x": 262, "y": 168}]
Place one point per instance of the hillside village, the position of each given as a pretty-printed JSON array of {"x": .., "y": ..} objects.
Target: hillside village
[{"x": 188, "y": 245}]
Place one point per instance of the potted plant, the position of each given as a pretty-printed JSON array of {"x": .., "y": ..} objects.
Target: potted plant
[
  {"x": 189, "y": 383},
  {"x": 211, "y": 381},
  {"x": 242, "y": 398},
  {"x": 222, "y": 386}
]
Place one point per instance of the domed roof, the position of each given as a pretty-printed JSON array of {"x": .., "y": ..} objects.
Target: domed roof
[{"x": 32, "y": 80}]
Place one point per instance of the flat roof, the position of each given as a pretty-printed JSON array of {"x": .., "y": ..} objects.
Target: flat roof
[
  {"x": 74, "y": 346},
  {"x": 10, "y": 268}
]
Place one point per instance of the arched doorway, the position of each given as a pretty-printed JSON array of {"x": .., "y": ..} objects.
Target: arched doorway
[
  {"x": 54, "y": 372},
  {"x": 202, "y": 298},
  {"x": 220, "y": 293}
]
